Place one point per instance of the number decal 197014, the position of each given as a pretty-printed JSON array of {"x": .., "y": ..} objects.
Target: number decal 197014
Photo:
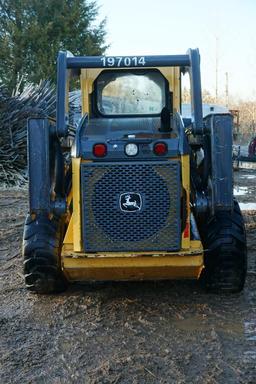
[{"x": 128, "y": 61}]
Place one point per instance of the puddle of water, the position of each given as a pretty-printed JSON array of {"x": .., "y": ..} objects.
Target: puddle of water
[
  {"x": 240, "y": 191},
  {"x": 248, "y": 176},
  {"x": 199, "y": 324},
  {"x": 250, "y": 335},
  {"x": 248, "y": 165},
  {"x": 194, "y": 324},
  {"x": 250, "y": 331},
  {"x": 250, "y": 354},
  {"x": 247, "y": 206}
]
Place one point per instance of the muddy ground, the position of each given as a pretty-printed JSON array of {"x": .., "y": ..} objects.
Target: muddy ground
[{"x": 152, "y": 332}]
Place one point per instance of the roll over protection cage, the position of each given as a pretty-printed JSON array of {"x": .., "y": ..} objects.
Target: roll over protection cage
[{"x": 68, "y": 65}]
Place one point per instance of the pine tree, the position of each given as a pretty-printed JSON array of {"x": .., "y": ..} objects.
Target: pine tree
[{"x": 33, "y": 31}]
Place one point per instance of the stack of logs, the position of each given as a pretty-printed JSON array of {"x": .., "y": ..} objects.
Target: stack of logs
[{"x": 34, "y": 101}]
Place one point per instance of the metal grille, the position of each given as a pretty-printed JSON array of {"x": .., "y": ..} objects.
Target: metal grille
[{"x": 156, "y": 226}]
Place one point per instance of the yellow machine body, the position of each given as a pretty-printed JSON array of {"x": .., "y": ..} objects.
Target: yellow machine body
[{"x": 78, "y": 265}]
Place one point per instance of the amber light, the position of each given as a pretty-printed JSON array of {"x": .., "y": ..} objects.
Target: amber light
[
  {"x": 100, "y": 150},
  {"x": 160, "y": 148}
]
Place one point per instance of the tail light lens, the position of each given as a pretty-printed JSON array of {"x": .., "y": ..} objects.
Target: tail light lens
[
  {"x": 186, "y": 231},
  {"x": 160, "y": 149},
  {"x": 100, "y": 150}
]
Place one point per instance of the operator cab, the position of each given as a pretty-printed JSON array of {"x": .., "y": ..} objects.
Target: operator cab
[
  {"x": 139, "y": 100},
  {"x": 129, "y": 106}
]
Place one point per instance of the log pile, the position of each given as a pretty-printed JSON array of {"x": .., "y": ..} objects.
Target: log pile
[{"x": 36, "y": 101}]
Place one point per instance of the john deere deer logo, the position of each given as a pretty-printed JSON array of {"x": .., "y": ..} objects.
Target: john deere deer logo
[{"x": 130, "y": 202}]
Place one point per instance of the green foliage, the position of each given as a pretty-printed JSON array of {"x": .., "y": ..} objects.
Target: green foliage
[{"x": 33, "y": 31}]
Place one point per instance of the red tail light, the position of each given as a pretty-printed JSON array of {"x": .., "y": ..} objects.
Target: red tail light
[
  {"x": 160, "y": 149},
  {"x": 100, "y": 150},
  {"x": 186, "y": 231}
]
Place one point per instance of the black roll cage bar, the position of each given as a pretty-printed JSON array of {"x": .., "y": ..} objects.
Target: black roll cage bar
[{"x": 67, "y": 65}]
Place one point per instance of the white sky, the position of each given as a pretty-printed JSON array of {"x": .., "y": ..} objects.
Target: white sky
[{"x": 144, "y": 27}]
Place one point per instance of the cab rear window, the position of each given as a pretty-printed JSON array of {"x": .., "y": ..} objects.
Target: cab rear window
[{"x": 129, "y": 93}]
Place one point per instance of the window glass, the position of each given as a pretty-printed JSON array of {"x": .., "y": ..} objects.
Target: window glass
[{"x": 131, "y": 94}]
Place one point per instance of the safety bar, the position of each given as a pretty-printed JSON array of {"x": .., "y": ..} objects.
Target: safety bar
[
  {"x": 67, "y": 63},
  {"x": 128, "y": 61}
]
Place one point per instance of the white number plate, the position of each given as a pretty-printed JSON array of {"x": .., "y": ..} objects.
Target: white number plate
[{"x": 128, "y": 61}]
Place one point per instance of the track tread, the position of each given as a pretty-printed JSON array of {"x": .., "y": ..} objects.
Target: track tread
[
  {"x": 226, "y": 253},
  {"x": 41, "y": 248}
]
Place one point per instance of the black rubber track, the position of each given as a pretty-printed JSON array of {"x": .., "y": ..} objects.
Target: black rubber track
[
  {"x": 41, "y": 249},
  {"x": 226, "y": 252}
]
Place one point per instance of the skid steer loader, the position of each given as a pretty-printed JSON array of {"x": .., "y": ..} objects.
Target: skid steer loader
[{"x": 142, "y": 193}]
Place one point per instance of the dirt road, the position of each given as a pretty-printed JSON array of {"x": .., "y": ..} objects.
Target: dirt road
[{"x": 157, "y": 332}]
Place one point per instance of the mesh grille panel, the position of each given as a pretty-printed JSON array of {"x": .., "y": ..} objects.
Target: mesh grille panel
[{"x": 154, "y": 197}]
